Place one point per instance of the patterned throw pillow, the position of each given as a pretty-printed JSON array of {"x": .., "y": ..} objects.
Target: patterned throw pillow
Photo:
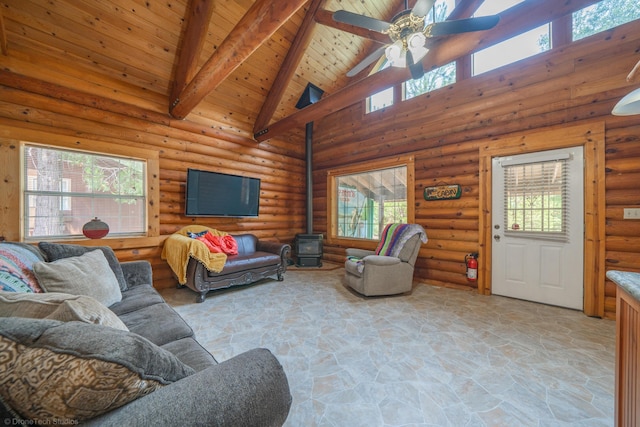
[
  {"x": 56, "y": 372},
  {"x": 16, "y": 268}
]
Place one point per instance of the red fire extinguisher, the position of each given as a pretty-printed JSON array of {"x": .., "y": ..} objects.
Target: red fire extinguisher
[{"x": 472, "y": 266}]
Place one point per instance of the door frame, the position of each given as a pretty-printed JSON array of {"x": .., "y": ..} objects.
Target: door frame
[{"x": 592, "y": 137}]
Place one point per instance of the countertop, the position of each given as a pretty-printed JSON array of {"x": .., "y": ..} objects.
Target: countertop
[{"x": 627, "y": 280}]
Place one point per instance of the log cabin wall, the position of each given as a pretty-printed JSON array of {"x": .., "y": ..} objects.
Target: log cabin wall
[
  {"x": 575, "y": 84},
  {"x": 29, "y": 113}
]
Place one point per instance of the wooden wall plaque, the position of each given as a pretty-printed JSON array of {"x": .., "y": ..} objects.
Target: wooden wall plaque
[{"x": 443, "y": 192}]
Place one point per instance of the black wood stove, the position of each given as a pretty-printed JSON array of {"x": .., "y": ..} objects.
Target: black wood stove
[{"x": 308, "y": 248}]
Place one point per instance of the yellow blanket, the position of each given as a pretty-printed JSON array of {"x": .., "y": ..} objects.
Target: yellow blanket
[{"x": 179, "y": 247}]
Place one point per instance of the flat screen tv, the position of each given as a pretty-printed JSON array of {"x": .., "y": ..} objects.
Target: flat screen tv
[{"x": 220, "y": 194}]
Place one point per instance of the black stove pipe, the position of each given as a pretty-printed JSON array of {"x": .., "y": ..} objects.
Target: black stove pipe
[{"x": 309, "y": 171}]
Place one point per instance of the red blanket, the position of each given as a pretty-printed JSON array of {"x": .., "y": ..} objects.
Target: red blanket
[{"x": 225, "y": 244}]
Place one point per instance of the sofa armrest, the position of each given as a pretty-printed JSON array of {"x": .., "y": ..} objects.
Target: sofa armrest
[
  {"x": 359, "y": 253},
  {"x": 281, "y": 249},
  {"x": 250, "y": 389},
  {"x": 137, "y": 273}
]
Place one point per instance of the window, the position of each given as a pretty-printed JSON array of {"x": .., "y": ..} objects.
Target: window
[
  {"x": 367, "y": 197},
  {"x": 380, "y": 100},
  {"x": 514, "y": 49},
  {"x": 536, "y": 198},
  {"x": 603, "y": 16},
  {"x": 493, "y": 7},
  {"x": 66, "y": 188},
  {"x": 435, "y": 79}
]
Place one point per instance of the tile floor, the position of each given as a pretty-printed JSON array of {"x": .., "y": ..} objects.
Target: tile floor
[{"x": 436, "y": 357}]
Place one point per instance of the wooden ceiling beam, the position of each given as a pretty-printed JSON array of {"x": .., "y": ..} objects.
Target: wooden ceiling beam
[
  {"x": 288, "y": 67},
  {"x": 260, "y": 22},
  {"x": 195, "y": 34},
  {"x": 516, "y": 20}
]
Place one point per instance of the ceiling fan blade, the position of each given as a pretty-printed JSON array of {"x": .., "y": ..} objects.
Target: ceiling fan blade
[
  {"x": 378, "y": 65},
  {"x": 422, "y": 7},
  {"x": 363, "y": 21},
  {"x": 417, "y": 70},
  {"x": 461, "y": 26},
  {"x": 373, "y": 57}
]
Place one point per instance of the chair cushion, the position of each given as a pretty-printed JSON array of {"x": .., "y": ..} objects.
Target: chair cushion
[
  {"x": 191, "y": 353},
  {"x": 88, "y": 274},
  {"x": 237, "y": 263},
  {"x": 247, "y": 243},
  {"x": 82, "y": 370},
  {"x": 159, "y": 323},
  {"x": 56, "y": 251},
  {"x": 58, "y": 306},
  {"x": 135, "y": 298}
]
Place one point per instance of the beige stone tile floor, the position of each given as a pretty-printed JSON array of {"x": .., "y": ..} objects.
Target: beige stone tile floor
[{"x": 434, "y": 357}]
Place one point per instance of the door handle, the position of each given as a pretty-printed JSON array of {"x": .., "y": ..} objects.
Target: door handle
[{"x": 496, "y": 237}]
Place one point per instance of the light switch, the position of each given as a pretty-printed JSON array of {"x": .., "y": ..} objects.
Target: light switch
[{"x": 630, "y": 213}]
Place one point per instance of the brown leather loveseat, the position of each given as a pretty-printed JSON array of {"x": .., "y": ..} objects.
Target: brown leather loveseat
[{"x": 256, "y": 259}]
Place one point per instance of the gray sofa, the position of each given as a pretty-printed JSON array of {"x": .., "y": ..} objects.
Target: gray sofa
[{"x": 250, "y": 389}]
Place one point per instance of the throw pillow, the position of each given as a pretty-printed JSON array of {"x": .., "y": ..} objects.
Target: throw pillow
[
  {"x": 69, "y": 372},
  {"x": 16, "y": 268},
  {"x": 88, "y": 274},
  {"x": 56, "y": 251},
  {"x": 58, "y": 306}
]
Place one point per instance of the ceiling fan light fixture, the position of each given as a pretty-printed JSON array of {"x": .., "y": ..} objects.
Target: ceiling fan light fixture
[
  {"x": 416, "y": 45},
  {"x": 395, "y": 54},
  {"x": 629, "y": 105}
]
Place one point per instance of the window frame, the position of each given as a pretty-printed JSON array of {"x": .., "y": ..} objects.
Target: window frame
[
  {"x": 30, "y": 193},
  {"x": 364, "y": 167},
  {"x": 369, "y": 101},
  {"x": 452, "y": 64},
  {"x": 11, "y": 190}
]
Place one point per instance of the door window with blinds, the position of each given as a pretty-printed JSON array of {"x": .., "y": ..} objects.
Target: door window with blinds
[
  {"x": 64, "y": 189},
  {"x": 536, "y": 198}
]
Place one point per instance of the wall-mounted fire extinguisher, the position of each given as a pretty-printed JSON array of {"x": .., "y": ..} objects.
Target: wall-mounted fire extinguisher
[{"x": 471, "y": 260}]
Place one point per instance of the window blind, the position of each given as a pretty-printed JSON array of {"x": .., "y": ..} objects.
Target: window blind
[{"x": 536, "y": 199}]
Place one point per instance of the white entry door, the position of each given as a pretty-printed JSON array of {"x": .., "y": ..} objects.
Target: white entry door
[{"x": 538, "y": 227}]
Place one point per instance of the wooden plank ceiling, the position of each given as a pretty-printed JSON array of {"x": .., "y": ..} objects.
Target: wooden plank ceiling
[
  {"x": 130, "y": 50},
  {"x": 234, "y": 65}
]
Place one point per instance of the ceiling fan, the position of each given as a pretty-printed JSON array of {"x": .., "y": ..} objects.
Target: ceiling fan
[{"x": 409, "y": 34}]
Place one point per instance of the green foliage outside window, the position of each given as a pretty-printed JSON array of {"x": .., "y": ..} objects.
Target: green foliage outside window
[{"x": 603, "y": 16}]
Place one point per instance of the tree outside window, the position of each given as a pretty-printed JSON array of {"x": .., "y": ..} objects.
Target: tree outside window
[
  {"x": 66, "y": 188},
  {"x": 603, "y": 16}
]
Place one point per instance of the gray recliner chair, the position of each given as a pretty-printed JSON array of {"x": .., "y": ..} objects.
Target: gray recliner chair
[{"x": 386, "y": 271}]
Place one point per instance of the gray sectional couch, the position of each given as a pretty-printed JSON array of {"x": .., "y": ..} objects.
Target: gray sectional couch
[{"x": 181, "y": 382}]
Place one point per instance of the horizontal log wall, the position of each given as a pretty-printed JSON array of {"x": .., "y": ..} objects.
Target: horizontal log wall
[
  {"x": 579, "y": 83},
  {"x": 181, "y": 145}
]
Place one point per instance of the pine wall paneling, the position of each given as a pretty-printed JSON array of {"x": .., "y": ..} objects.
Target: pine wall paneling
[
  {"x": 180, "y": 144},
  {"x": 577, "y": 84}
]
